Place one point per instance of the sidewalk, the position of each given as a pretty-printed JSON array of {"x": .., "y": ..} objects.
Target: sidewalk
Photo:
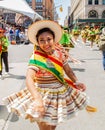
[{"x": 90, "y": 72}]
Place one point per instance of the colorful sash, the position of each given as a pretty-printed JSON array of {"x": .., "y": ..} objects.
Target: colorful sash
[
  {"x": 51, "y": 64},
  {"x": 48, "y": 63}
]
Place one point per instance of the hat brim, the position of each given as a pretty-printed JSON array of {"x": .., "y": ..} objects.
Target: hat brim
[{"x": 35, "y": 27}]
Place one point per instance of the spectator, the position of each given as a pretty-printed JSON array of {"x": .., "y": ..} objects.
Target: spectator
[
  {"x": 11, "y": 34},
  {"x": 102, "y": 46},
  {"x": 4, "y": 42},
  {"x": 17, "y": 32}
]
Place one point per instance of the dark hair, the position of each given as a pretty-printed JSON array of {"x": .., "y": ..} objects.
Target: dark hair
[{"x": 44, "y": 30}]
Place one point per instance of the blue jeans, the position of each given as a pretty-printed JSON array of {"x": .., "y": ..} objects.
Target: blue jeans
[{"x": 103, "y": 53}]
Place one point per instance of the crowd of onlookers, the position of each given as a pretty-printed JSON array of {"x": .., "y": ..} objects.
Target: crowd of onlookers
[
  {"x": 10, "y": 35},
  {"x": 16, "y": 34}
]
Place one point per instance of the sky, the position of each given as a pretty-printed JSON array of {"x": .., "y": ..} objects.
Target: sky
[{"x": 62, "y": 15}]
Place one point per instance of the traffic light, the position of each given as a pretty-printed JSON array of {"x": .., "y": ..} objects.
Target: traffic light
[{"x": 61, "y": 9}]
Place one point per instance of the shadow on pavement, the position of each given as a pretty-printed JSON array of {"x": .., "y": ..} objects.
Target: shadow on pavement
[
  {"x": 91, "y": 59},
  {"x": 82, "y": 61},
  {"x": 4, "y": 114},
  {"x": 95, "y": 50},
  {"x": 14, "y": 118},
  {"x": 78, "y": 69},
  {"x": 14, "y": 76},
  {"x": 77, "y": 63}
]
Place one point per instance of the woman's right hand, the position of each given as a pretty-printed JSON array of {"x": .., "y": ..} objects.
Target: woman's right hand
[
  {"x": 38, "y": 103},
  {"x": 39, "y": 106}
]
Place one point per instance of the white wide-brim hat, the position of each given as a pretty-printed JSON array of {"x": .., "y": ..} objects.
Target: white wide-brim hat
[{"x": 35, "y": 27}]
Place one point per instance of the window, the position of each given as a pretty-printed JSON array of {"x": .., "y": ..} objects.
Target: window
[
  {"x": 96, "y": 2},
  {"x": 40, "y": 13},
  {"x": 93, "y": 14},
  {"x": 39, "y": 7},
  {"x": 39, "y": 1},
  {"x": 103, "y": 14},
  {"x": 28, "y": 1},
  {"x": 90, "y": 2},
  {"x": 103, "y": 2}
]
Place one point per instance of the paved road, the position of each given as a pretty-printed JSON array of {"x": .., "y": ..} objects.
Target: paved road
[{"x": 90, "y": 71}]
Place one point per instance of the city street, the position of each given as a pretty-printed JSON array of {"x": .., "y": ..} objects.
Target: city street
[{"x": 90, "y": 71}]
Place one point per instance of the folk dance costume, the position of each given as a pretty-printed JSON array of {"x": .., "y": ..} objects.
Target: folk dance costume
[
  {"x": 75, "y": 33},
  {"x": 65, "y": 39},
  {"x": 98, "y": 33},
  {"x": 61, "y": 100},
  {"x": 91, "y": 35},
  {"x": 84, "y": 34}
]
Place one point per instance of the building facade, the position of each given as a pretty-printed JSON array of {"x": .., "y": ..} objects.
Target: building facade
[
  {"x": 42, "y": 7},
  {"x": 87, "y": 11},
  {"x": 66, "y": 21}
]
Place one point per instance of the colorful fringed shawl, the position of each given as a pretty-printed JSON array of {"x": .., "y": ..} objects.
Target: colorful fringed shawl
[{"x": 51, "y": 64}]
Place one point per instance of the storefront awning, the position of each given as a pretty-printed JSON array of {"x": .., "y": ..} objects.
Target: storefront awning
[{"x": 92, "y": 20}]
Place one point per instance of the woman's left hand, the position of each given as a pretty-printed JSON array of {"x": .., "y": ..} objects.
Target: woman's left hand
[{"x": 80, "y": 86}]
